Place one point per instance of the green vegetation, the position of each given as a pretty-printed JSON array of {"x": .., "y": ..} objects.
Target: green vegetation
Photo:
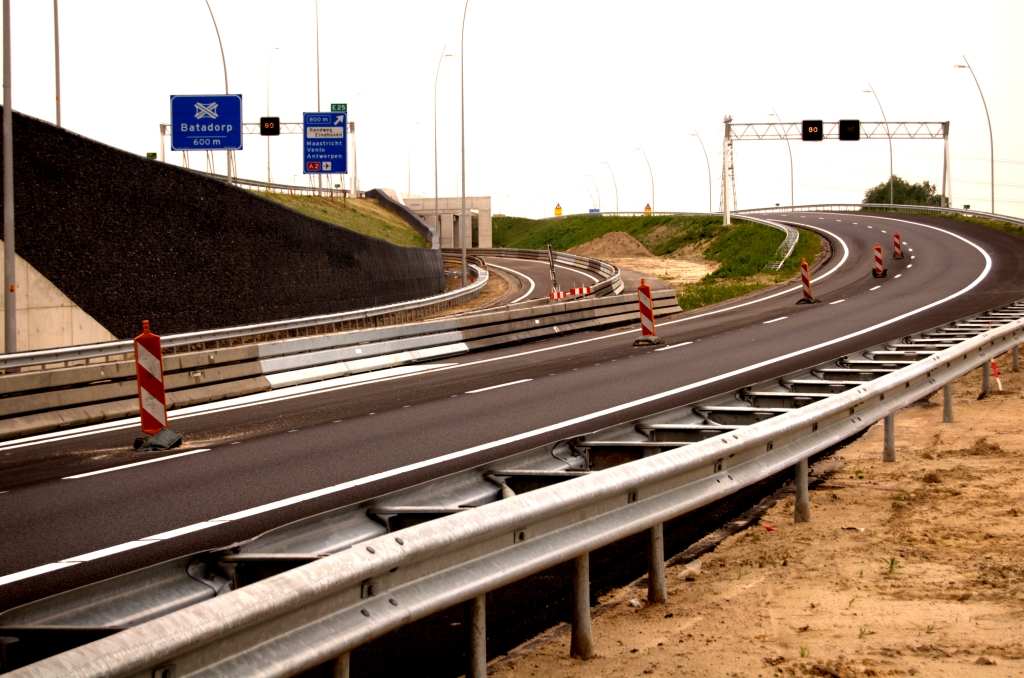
[
  {"x": 903, "y": 193},
  {"x": 741, "y": 250},
  {"x": 362, "y": 216}
]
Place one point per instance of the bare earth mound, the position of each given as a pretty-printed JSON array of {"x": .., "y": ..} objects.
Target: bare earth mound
[
  {"x": 912, "y": 568},
  {"x": 629, "y": 254}
]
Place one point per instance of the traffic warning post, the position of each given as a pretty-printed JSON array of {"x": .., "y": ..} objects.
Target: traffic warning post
[
  {"x": 558, "y": 209},
  {"x": 805, "y": 282},
  {"x": 897, "y": 246},
  {"x": 878, "y": 271},
  {"x": 647, "y": 210},
  {"x": 149, "y": 373},
  {"x": 648, "y": 334},
  {"x": 573, "y": 292}
]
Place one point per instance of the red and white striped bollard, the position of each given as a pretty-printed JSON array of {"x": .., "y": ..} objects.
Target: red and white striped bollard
[
  {"x": 149, "y": 372},
  {"x": 897, "y": 246},
  {"x": 878, "y": 271},
  {"x": 648, "y": 333},
  {"x": 805, "y": 282}
]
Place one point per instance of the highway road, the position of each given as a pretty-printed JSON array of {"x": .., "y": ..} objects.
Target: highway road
[
  {"x": 532, "y": 279},
  {"x": 78, "y": 506}
]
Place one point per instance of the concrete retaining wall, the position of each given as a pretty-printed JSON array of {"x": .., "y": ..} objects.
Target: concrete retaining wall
[{"x": 126, "y": 238}]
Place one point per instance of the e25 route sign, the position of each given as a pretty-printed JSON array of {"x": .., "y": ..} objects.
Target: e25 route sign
[
  {"x": 211, "y": 122},
  {"x": 325, "y": 137}
]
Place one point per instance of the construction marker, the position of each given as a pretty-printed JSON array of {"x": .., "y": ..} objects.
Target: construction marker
[
  {"x": 878, "y": 271},
  {"x": 805, "y": 282},
  {"x": 995, "y": 371},
  {"x": 897, "y": 246}
]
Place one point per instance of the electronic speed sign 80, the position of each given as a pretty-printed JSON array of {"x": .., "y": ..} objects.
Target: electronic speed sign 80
[
  {"x": 812, "y": 130},
  {"x": 270, "y": 127},
  {"x": 849, "y": 130}
]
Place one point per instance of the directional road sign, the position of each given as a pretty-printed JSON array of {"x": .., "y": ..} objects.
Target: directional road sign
[
  {"x": 326, "y": 143},
  {"x": 210, "y": 122}
]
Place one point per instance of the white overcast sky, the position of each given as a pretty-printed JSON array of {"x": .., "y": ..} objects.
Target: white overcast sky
[{"x": 555, "y": 88}]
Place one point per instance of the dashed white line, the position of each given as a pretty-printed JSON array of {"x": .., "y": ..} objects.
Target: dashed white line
[
  {"x": 910, "y": 266},
  {"x": 896, "y": 276},
  {"x": 769, "y": 322},
  {"x": 838, "y": 301},
  {"x": 665, "y": 348},
  {"x": 138, "y": 463},
  {"x": 874, "y": 288},
  {"x": 489, "y": 388}
]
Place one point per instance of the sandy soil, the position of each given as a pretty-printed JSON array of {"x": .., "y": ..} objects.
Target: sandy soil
[
  {"x": 912, "y": 568},
  {"x": 627, "y": 252}
]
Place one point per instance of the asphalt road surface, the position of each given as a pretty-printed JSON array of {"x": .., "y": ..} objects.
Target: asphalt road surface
[{"x": 274, "y": 458}]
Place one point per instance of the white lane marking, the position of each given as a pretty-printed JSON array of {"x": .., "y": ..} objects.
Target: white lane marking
[
  {"x": 910, "y": 249},
  {"x": 298, "y": 391},
  {"x": 138, "y": 463},
  {"x": 489, "y": 388},
  {"x": 883, "y": 231},
  {"x": 910, "y": 266},
  {"x": 769, "y": 322},
  {"x": 34, "y": 572},
  {"x": 833, "y": 303},
  {"x": 576, "y": 270},
  {"x": 532, "y": 284},
  {"x": 911, "y": 257},
  {"x": 874, "y": 288},
  {"x": 665, "y": 348},
  {"x": 328, "y": 385},
  {"x": 896, "y": 276},
  {"x": 870, "y": 226}
]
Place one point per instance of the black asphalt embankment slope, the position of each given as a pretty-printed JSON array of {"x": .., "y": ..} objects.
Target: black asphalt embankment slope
[{"x": 128, "y": 238}]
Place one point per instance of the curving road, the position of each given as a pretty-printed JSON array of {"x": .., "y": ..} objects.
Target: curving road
[{"x": 273, "y": 458}]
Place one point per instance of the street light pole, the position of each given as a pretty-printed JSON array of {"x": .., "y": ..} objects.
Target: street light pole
[
  {"x": 596, "y": 189},
  {"x": 991, "y": 144},
  {"x": 10, "y": 317},
  {"x": 791, "y": 202},
  {"x": 462, "y": 94},
  {"x": 316, "y": 9},
  {"x": 437, "y": 75},
  {"x": 650, "y": 171},
  {"x": 269, "y": 61},
  {"x": 614, "y": 183},
  {"x": 888, "y": 134},
  {"x": 224, "y": 64},
  {"x": 56, "y": 58},
  {"x": 709, "y": 167}
]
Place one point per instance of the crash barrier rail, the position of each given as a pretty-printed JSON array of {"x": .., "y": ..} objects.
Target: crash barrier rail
[
  {"x": 378, "y": 316},
  {"x": 879, "y": 207},
  {"x": 37, "y": 401},
  {"x": 415, "y": 221},
  {"x": 610, "y": 284},
  {"x": 356, "y": 573}
]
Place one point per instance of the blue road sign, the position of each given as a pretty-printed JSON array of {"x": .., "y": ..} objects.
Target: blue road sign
[
  {"x": 326, "y": 143},
  {"x": 212, "y": 122}
]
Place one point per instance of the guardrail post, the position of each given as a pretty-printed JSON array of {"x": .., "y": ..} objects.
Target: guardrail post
[
  {"x": 802, "y": 507},
  {"x": 656, "y": 591},
  {"x": 476, "y": 621},
  {"x": 340, "y": 667},
  {"x": 1016, "y": 358},
  {"x": 889, "y": 452},
  {"x": 947, "y": 404},
  {"x": 984, "y": 379},
  {"x": 582, "y": 645}
]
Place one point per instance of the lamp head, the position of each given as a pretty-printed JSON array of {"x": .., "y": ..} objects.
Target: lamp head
[{"x": 960, "y": 66}]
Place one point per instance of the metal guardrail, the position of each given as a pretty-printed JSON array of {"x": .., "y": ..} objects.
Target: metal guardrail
[
  {"x": 873, "y": 207},
  {"x": 208, "y": 339},
  {"x": 361, "y": 582},
  {"x": 612, "y": 283}
]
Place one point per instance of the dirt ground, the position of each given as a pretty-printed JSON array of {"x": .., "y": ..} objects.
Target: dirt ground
[
  {"x": 494, "y": 290},
  {"x": 912, "y": 568},
  {"x": 627, "y": 252}
]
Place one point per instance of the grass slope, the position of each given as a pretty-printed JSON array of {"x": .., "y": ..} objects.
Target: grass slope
[
  {"x": 742, "y": 250},
  {"x": 362, "y": 216}
]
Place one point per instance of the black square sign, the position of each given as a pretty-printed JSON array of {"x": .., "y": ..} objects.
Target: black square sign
[
  {"x": 270, "y": 127},
  {"x": 811, "y": 130},
  {"x": 849, "y": 130}
]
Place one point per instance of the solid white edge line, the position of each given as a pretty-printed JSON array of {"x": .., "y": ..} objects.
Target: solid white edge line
[
  {"x": 302, "y": 390},
  {"x": 769, "y": 322},
  {"x": 390, "y": 473},
  {"x": 532, "y": 284},
  {"x": 491, "y": 388},
  {"x": 34, "y": 572},
  {"x": 576, "y": 270},
  {"x": 665, "y": 348},
  {"x": 138, "y": 463}
]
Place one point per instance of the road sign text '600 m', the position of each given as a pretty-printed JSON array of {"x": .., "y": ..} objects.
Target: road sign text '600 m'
[
  {"x": 325, "y": 143},
  {"x": 211, "y": 122}
]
